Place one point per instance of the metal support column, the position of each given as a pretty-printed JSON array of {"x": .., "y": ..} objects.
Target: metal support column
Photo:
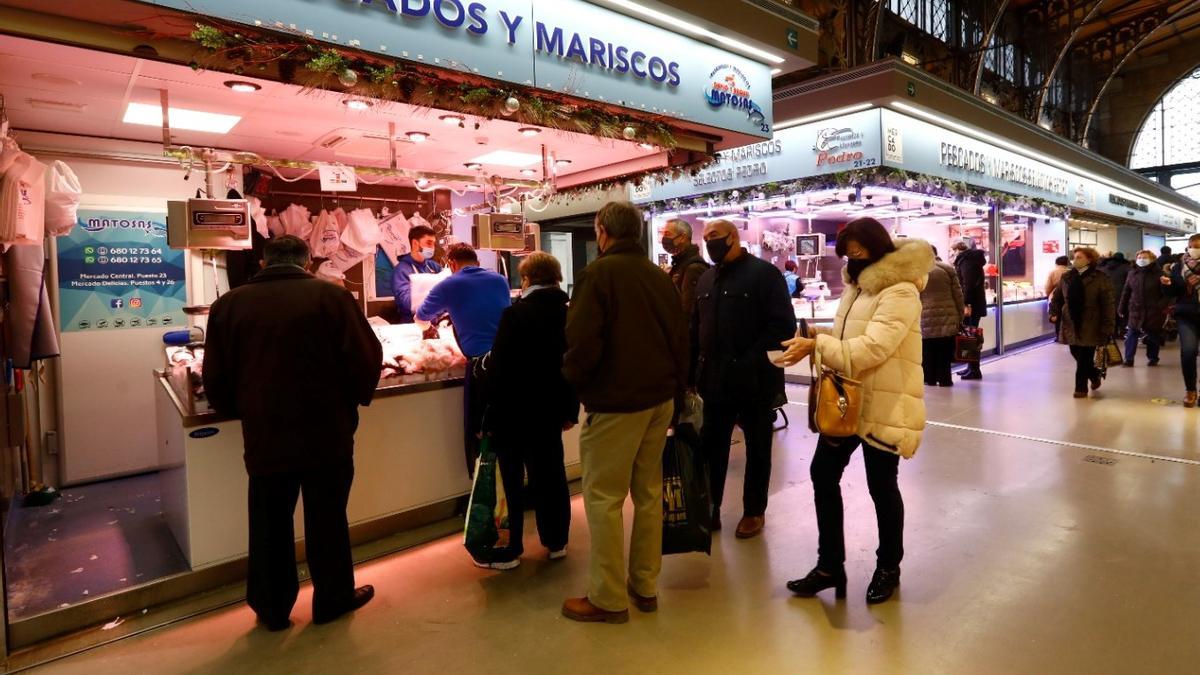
[{"x": 997, "y": 241}]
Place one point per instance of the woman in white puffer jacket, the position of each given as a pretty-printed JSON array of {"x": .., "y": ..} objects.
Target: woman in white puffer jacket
[{"x": 878, "y": 327}]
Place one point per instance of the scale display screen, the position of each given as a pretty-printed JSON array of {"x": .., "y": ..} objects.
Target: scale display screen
[{"x": 213, "y": 220}]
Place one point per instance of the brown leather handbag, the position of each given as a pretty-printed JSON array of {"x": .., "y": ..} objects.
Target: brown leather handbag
[{"x": 834, "y": 399}]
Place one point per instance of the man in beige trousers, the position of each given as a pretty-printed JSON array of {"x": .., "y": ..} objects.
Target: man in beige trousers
[{"x": 627, "y": 359}]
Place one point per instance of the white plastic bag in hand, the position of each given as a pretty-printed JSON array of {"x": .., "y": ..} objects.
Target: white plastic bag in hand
[{"x": 62, "y": 199}]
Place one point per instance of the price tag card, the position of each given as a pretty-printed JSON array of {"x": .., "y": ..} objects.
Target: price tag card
[{"x": 338, "y": 178}]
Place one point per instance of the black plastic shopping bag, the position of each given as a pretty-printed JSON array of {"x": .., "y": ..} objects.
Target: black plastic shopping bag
[
  {"x": 687, "y": 506},
  {"x": 487, "y": 528}
]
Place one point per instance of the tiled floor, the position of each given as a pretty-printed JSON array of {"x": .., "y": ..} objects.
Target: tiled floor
[{"x": 1022, "y": 557}]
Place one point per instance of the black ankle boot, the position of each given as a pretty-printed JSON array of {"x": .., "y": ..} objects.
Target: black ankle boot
[
  {"x": 817, "y": 581},
  {"x": 883, "y": 585}
]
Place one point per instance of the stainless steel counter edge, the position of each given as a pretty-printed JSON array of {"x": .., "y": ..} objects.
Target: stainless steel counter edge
[{"x": 384, "y": 391}]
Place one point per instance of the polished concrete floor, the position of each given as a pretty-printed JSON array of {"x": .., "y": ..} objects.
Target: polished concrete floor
[{"x": 1044, "y": 535}]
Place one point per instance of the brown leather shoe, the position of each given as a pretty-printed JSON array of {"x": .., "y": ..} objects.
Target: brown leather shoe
[
  {"x": 1081, "y": 394},
  {"x": 582, "y": 609},
  {"x": 750, "y": 527},
  {"x": 643, "y": 603},
  {"x": 1189, "y": 400}
]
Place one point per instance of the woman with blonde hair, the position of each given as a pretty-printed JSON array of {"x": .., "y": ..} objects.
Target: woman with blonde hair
[{"x": 1085, "y": 309}]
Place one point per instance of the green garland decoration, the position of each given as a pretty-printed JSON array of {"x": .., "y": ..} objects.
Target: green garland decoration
[
  {"x": 304, "y": 61},
  {"x": 884, "y": 177}
]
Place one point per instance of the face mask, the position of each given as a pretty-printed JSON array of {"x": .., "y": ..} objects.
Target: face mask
[
  {"x": 668, "y": 245},
  {"x": 855, "y": 267},
  {"x": 427, "y": 253},
  {"x": 1194, "y": 252},
  {"x": 1080, "y": 265},
  {"x": 717, "y": 250},
  {"x": 1142, "y": 262}
]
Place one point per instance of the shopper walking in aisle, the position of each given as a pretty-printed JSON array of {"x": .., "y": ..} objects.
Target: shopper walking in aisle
[
  {"x": 878, "y": 330},
  {"x": 1117, "y": 269},
  {"x": 1062, "y": 265},
  {"x": 293, "y": 357},
  {"x": 687, "y": 265},
  {"x": 742, "y": 312},
  {"x": 419, "y": 260},
  {"x": 1085, "y": 309},
  {"x": 1183, "y": 285},
  {"x": 942, "y": 311},
  {"x": 531, "y": 405},
  {"x": 1166, "y": 257},
  {"x": 627, "y": 359},
  {"x": 1143, "y": 306},
  {"x": 969, "y": 264},
  {"x": 474, "y": 298}
]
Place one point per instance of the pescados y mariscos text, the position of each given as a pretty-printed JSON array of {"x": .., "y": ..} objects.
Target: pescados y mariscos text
[{"x": 548, "y": 39}]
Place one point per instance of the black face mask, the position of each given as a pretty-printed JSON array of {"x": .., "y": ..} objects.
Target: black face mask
[
  {"x": 855, "y": 267},
  {"x": 668, "y": 245},
  {"x": 717, "y": 249}
]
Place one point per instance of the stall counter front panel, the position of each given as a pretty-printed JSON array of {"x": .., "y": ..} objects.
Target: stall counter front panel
[{"x": 408, "y": 455}]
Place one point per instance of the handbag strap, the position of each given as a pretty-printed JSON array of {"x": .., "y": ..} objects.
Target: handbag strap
[
  {"x": 846, "y": 359},
  {"x": 848, "y": 371}
]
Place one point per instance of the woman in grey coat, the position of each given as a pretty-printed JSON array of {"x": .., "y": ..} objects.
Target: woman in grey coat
[{"x": 942, "y": 310}]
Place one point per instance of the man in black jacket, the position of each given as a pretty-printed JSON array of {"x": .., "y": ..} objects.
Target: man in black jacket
[
  {"x": 969, "y": 263},
  {"x": 292, "y": 357},
  {"x": 687, "y": 265},
  {"x": 742, "y": 312},
  {"x": 627, "y": 359},
  {"x": 531, "y": 405}
]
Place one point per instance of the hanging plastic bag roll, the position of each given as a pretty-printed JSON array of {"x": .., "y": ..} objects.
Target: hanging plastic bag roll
[
  {"x": 325, "y": 238},
  {"x": 394, "y": 237},
  {"x": 63, "y": 192}
]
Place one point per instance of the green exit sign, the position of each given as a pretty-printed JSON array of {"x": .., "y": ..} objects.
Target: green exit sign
[{"x": 793, "y": 38}]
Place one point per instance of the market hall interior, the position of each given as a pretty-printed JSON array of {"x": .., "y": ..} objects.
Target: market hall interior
[{"x": 1045, "y": 534}]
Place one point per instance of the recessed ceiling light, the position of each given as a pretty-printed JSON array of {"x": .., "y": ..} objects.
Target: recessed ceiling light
[
  {"x": 528, "y": 172},
  {"x": 508, "y": 158},
  {"x": 422, "y": 182},
  {"x": 473, "y": 166},
  {"x": 180, "y": 118},
  {"x": 242, "y": 87},
  {"x": 562, "y": 162},
  {"x": 417, "y": 136},
  {"x": 357, "y": 104},
  {"x": 529, "y": 131},
  {"x": 646, "y": 146},
  {"x": 452, "y": 119}
]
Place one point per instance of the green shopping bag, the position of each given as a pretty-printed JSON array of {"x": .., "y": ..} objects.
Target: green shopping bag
[{"x": 487, "y": 527}]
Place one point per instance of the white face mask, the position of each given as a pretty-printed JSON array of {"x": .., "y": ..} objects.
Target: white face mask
[
  {"x": 1194, "y": 252},
  {"x": 427, "y": 253},
  {"x": 1143, "y": 262}
]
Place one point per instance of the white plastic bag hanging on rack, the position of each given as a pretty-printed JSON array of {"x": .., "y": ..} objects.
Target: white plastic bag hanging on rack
[
  {"x": 296, "y": 221},
  {"x": 63, "y": 192},
  {"x": 24, "y": 202},
  {"x": 394, "y": 237},
  {"x": 325, "y": 239},
  {"x": 258, "y": 214}
]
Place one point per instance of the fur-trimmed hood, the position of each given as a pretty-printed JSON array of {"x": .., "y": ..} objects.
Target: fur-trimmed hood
[{"x": 911, "y": 262}]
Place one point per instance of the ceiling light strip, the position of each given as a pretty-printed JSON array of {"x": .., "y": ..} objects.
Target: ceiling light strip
[
  {"x": 797, "y": 121},
  {"x": 699, "y": 31}
]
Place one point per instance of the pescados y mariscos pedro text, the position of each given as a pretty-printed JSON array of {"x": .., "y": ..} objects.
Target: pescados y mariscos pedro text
[{"x": 548, "y": 39}]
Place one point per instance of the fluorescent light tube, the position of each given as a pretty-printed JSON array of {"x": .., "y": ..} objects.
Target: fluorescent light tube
[
  {"x": 150, "y": 115},
  {"x": 687, "y": 26}
]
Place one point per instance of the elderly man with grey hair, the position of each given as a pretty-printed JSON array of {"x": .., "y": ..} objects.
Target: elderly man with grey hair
[{"x": 687, "y": 265}]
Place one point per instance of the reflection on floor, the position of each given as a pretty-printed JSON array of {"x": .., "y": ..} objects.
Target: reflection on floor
[
  {"x": 96, "y": 539},
  {"x": 1022, "y": 556}
]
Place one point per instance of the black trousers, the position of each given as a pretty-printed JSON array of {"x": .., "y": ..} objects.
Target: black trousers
[
  {"x": 1085, "y": 366},
  {"x": 937, "y": 359},
  {"x": 828, "y": 464},
  {"x": 273, "y": 584},
  {"x": 538, "y": 450},
  {"x": 474, "y": 404},
  {"x": 757, "y": 422}
]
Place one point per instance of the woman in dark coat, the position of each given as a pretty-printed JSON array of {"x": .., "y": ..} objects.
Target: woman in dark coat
[
  {"x": 1085, "y": 309},
  {"x": 1144, "y": 307},
  {"x": 531, "y": 405},
  {"x": 942, "y": 308},
  {"x": 969, "y": 263}
]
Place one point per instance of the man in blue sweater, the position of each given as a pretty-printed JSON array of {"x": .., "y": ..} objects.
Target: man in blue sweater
[
  {"x": 422, "y": 242},
  {"x": 475, "y": 298}
]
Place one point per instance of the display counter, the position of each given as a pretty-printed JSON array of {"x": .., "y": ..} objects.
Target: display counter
[{"x": 408, "y": 455}]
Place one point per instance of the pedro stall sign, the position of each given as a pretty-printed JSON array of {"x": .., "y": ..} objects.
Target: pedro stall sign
[
  {"x": 568, "y": 46},
  {"x": 115, "y": 272}
]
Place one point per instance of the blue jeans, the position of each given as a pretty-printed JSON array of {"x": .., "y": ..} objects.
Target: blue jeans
[
  {"x": 1189, "y": 340},
  {"x": 1153, "y": 342}
]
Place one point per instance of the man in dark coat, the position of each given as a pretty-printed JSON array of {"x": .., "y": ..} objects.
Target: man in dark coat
[
  {"x": 742, "y": 312},
  {"x": 293, "y": 357},
  {"x": 1117, "y": 269},
  {"x": 687, "y": 265},
  {"x": 532, "y": 405},
  {"x": 969, "y": 263}
]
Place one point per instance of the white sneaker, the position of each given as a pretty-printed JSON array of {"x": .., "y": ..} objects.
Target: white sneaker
[
  {"x": 559, "y": 554},
  {"x": 498, "y": 565}
]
